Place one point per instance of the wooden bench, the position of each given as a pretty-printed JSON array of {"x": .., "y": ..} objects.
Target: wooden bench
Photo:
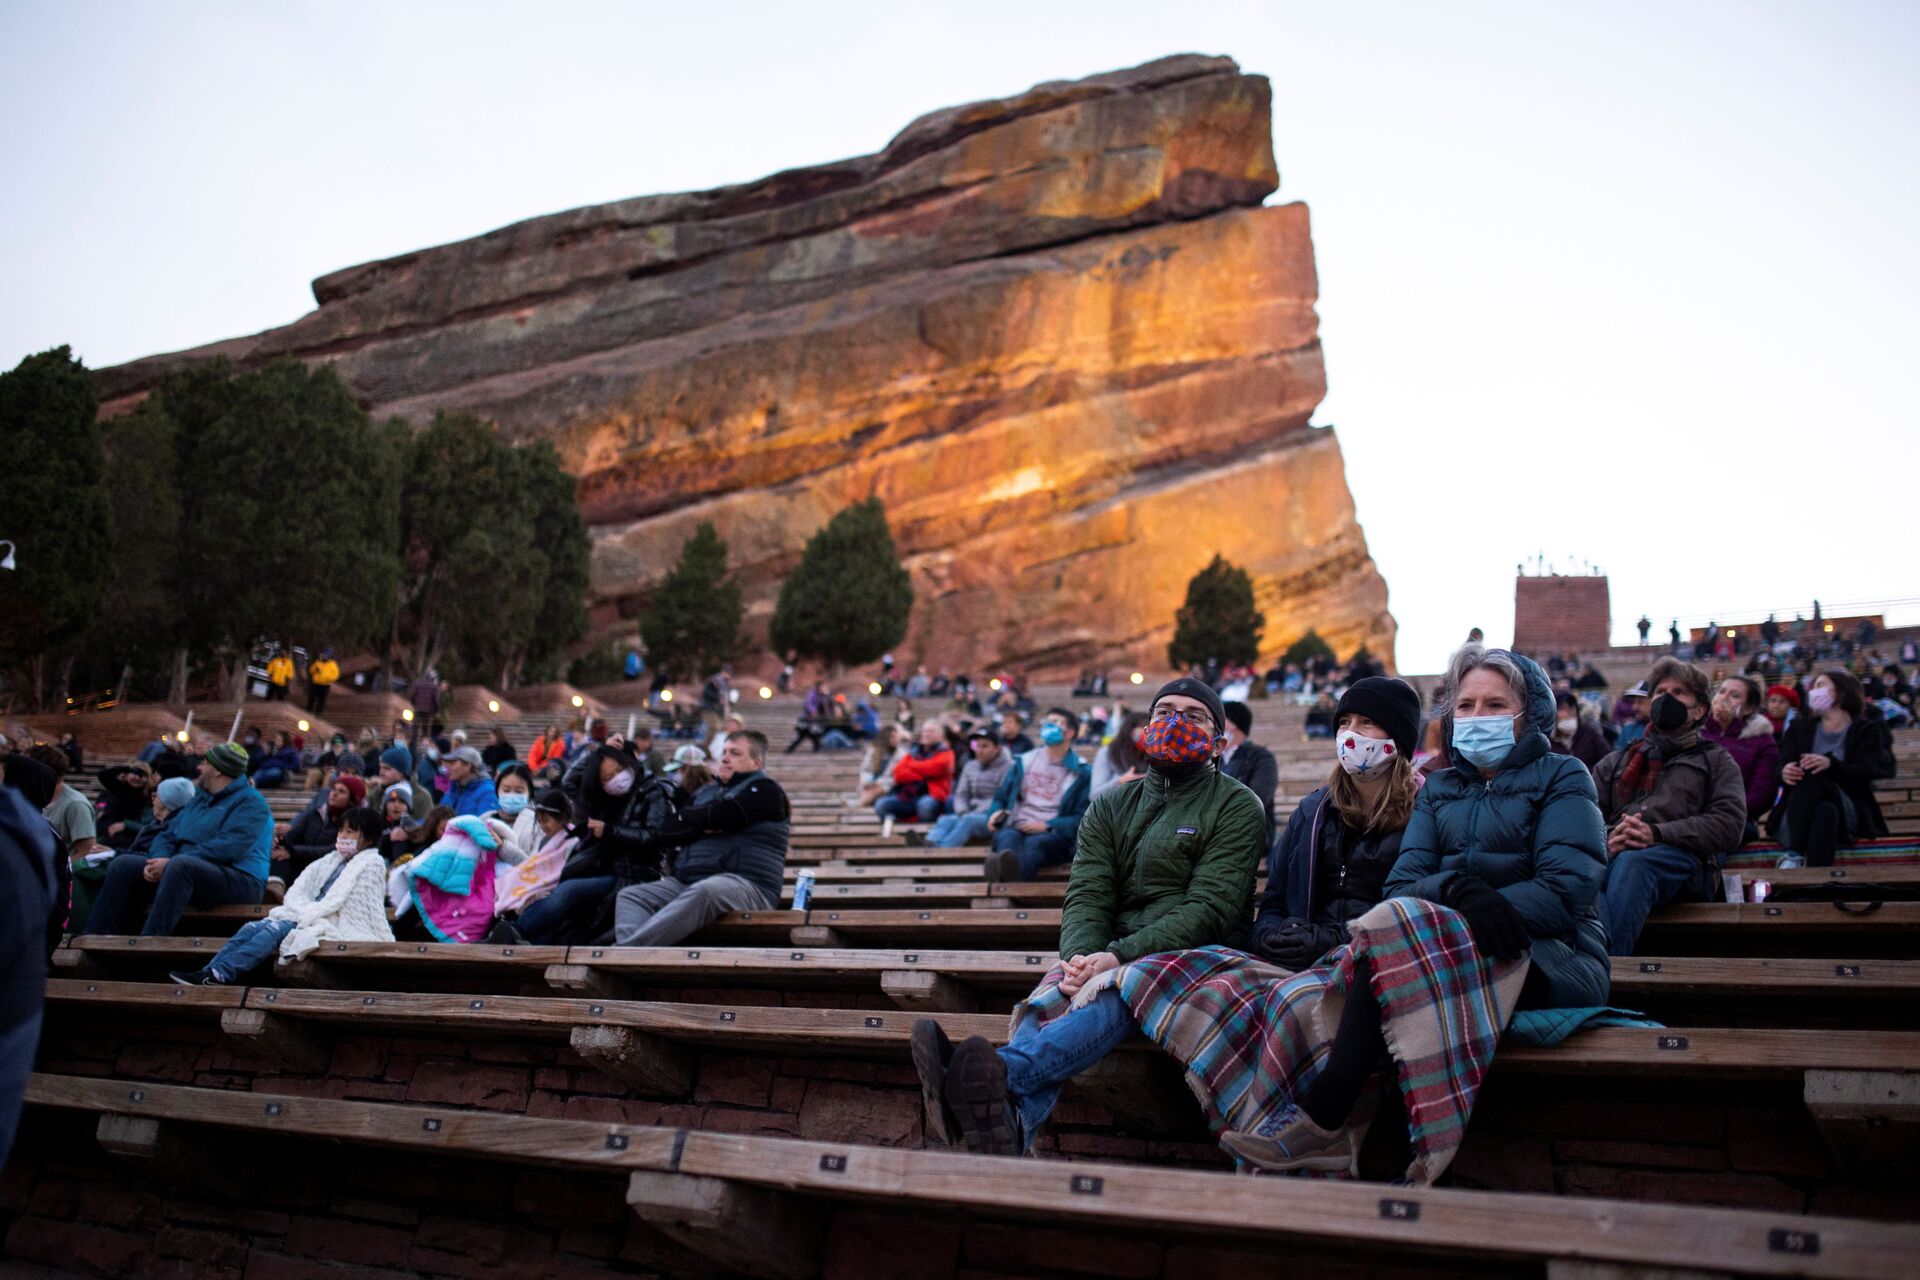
[
  {"x": 733, "y": 1198},
  {"x": 1749, "y": 990},
  {"x": 812, "y": 1031}
]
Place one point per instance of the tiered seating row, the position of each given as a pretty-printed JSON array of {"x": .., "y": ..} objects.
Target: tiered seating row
[{"x": 733, "y": 1196}]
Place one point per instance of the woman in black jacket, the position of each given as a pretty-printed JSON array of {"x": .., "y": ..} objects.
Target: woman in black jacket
[
  {"x": 1830, "y": 757},
  {"x": 622, "y": 811},
  {"x": 1331, "y": 863}
]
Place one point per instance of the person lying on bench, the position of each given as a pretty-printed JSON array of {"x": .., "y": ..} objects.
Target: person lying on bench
[
  {"x": 1674, "y": 804},
  {"x": 1165, "y": 863},
  {"x": 341, "y": 897},
  {"x": 213, "y": 853},
  {"x": 737, "y": 829}
]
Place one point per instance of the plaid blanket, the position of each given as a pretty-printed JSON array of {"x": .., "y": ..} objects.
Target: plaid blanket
[{"x": 1250, "y": 1034}]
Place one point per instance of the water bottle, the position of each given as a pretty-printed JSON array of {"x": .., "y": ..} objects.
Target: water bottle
[{"x": 802, "y": 890}]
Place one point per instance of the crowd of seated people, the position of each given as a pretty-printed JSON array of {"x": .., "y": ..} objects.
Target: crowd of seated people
[{"x": 1504, "y": 823}]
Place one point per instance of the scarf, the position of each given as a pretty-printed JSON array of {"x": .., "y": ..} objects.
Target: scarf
[{"x": 1642, "y": 768}]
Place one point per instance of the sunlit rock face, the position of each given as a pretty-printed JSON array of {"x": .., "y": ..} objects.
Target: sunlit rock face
[{"x": 1057, "y": 334}]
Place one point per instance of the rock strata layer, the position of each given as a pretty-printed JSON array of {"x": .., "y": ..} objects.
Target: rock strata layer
[{"x": 1057, "y": 333}]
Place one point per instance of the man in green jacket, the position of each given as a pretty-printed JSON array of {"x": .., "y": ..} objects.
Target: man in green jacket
[{"x": 1164, "y": 863}]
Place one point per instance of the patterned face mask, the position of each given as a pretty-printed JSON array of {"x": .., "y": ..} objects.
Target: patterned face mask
[
  {"x": 1361, "y": 755},
  {"x": 1174, "y": 739}
]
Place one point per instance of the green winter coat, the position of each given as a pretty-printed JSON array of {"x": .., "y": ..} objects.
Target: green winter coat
[{"x": 1164, "y": 867}]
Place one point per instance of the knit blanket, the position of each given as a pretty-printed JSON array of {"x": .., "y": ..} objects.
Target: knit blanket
[
  {"x": 1250, "y": 1034},
  {"x": 1885, "y": 851}
]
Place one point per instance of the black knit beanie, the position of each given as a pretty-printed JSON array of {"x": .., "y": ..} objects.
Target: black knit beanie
[
  {"x": 1199, "y": 691},
  {"x": 1392, "y": 704}
]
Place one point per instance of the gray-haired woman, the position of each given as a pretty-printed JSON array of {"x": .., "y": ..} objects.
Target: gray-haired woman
[{"x": 1511, "y": 837}]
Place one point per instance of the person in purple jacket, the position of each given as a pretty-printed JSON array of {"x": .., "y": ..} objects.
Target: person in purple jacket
[{"x": 1736, "y": 724}]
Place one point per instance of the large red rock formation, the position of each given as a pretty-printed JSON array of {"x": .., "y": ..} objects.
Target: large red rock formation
[{"x": 1057, "y": 333}]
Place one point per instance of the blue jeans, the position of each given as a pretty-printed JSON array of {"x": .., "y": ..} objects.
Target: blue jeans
[
  {"x": 1637, "y": 881},
  {"x": 951, "y": 830},
  {"x": 257, "y": 941},
  {"x": 1042, "y": 849},
  {"x": 270, "y": 776},
  {"x": 926, "y": 808},
  {"x": 1045, "y": 1055},
  {"x": 566, "y": 914},
  {"x": 186, "y": 881}
]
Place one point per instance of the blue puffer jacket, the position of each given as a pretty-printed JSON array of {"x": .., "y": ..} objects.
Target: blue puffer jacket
[{"x": 1533, "y": 831}]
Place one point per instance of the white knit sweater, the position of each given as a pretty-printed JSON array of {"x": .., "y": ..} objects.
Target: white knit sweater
[{"x": 354, "y": 910}]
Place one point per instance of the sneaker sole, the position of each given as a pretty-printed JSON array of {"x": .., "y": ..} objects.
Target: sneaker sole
[
  {"x": 976, "y": 1086},
  {"x": 929, "y": 1061}
]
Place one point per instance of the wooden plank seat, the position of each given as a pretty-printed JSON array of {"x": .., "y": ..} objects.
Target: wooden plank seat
[
  {"x": 1791, "y": 928},
  {"x": 1745, "y": 990},
  {"x": 715, "y": 1191},
  {"x": 804, "y": 1032}
]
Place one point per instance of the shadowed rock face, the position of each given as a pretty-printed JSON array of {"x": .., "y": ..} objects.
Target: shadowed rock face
[{"x": 1056, "y": 333}]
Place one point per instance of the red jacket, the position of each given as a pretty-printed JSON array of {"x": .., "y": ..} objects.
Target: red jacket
[{"x": 935, "y": 770}]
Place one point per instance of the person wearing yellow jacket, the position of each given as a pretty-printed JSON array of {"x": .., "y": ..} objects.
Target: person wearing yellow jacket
[
  {"x": 279, "y": 676},
  {"x": 322, "y": 672}
]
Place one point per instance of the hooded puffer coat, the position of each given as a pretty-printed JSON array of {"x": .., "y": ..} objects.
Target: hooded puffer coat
[{"x": 1533, "y": 831}]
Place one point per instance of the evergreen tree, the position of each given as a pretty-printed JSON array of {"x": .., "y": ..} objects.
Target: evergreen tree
[
  {"x": 693, "y": 622},
  {"x": 1219, "y": 619},
  {"x": 290, "y": 525},
  {"x": 144, "y": 497},
  {"x": 1306, "y": 649},
  {"x": 560, "y": 536},
  {"x": 494, "y": 550},
  {"x": 55, "y": 514},
  {"x": 849, "y": 599}
]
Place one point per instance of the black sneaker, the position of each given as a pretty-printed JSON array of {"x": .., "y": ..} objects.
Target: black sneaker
[
  {"x": 932, "y": 1051},
  {"x": 916, "y": 839},
  {"x": 976, "y": 1090},
  {"x": 202, "y": 977}
]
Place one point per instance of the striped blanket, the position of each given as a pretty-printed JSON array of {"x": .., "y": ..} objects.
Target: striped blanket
[{"x": 1250, "y": 1034}]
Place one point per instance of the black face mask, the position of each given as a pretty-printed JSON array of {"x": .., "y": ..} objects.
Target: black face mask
[{"x": 1669, "y": 714}]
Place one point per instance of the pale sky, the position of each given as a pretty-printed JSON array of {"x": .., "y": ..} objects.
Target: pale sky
[{"x": 1626, "y": 283}]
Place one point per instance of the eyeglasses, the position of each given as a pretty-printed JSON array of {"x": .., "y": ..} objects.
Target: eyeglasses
[{"x": 1197, "y": 718}]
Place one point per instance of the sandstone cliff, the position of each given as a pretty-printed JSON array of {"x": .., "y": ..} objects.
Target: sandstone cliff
[{"x": 1057, "y": 333}]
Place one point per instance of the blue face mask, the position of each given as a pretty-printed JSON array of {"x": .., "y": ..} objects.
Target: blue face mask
[
  {"x": 1052, "y": 734},
  {"x": 512, "y": 802},
  {"x": 1483, "y": 741}
]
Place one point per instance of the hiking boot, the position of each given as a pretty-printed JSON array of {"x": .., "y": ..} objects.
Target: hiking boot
[
  {"x": 932, "y": 1051},
  {"x": 1002, "y": 867},
  {"x": 1291, "y": 1142},
  {"x": 976, "y": 1090}
]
